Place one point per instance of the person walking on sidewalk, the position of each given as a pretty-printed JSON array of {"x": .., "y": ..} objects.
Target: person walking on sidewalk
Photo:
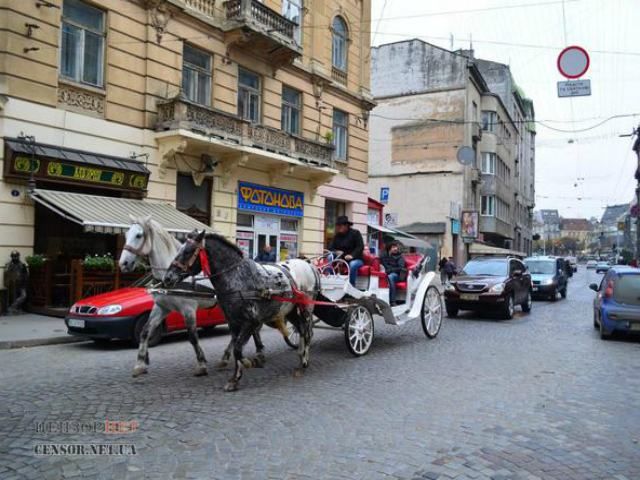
[
  {"x": 450, "y": 269},
  {"x": 443, "y": 272}
]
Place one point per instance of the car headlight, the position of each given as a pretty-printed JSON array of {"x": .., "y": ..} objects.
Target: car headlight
[
  {"x": 548, "y": 281},
  {"x": 110, "y": 310},
  {"x": 497, "y": 288},
  {"x": 450, "y": 287}
]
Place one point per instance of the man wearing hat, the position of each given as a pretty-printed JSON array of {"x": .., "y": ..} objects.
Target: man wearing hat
[{"x": 349, "y": 241}]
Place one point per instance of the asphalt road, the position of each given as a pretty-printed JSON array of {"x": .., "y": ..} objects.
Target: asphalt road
[{"x": 537, "y": 397}]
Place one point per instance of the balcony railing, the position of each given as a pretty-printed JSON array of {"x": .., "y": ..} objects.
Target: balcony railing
[
  {"x": 204, "y": 7},
  {"x": 256, "y": 12},
  {"x": 181, "y": 113},
  {"x": 339, "y": 76}
]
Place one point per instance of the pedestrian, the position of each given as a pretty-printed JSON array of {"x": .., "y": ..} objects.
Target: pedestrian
[
  {"x": 443, "y": 273},
  {"x": 450, "y": 268},
  {"x": 267, "y": 255},
  {"x": 395, "y": 268},
  {"x": 633, "y": 263},
  {"x": 349, "y": 242}
]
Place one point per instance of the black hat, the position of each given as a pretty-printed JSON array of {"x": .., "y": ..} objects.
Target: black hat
[{"x": 343, "y": 220}]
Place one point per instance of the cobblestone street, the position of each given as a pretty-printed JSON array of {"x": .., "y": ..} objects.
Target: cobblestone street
[{"x": 537, "y": 397}]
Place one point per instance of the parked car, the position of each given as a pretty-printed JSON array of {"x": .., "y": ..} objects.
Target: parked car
[
  {"x": 490, "y": 283},
  {"x": 121, "y": 314},
  {"x": 616, "y": 307},
  {"x": 591, "y": 264},
  {"x": 548, "y": 277},
  {"x": 573, "y": 262},
  {"x": 602, "y": 267}
]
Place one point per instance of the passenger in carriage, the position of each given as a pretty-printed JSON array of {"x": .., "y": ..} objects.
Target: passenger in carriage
[
  {"x": 395, "y": 268},
  {"x": 349, "y": 241}
]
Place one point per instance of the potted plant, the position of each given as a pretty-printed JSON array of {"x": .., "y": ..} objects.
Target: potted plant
[
  {"x": 35, "y": 261},
  {"x": 99, "y": 263},
  {"x": 328, "y": 137}
]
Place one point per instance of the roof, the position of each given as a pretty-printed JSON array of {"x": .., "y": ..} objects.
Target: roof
[
  {"x": 424, "y": 228},
  {"x": 74, "y": 155},
  {"x": 112, "y": 215},
  {"x": 576, "y": 225},
  {"x": 550, "y": 216},
  {"x": 613, "y": 212}
]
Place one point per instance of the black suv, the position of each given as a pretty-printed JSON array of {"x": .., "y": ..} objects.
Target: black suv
[{"x": 490, "y": 283}]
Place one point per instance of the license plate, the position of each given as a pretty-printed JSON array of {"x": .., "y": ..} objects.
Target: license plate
[
  {"x": 535, "y": 289},
  {"x": 469, "y": 297},
  {"x": 76, "y": 323},
  {"x": 635, "y": 327}
]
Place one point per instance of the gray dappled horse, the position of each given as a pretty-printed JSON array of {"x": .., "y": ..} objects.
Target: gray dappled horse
[
  {"x": 245, "y": 291},
  {"x": 147, "y": 238}
]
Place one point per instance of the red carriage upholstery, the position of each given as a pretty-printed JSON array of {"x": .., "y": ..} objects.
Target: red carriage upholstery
[{"x": 372, "y": 267}]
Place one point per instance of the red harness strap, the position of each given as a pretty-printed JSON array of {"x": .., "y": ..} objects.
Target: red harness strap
[{"x": 204, "y": 263}]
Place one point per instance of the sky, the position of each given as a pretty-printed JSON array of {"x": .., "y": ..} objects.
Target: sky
[{"x": 587, "y": 166}]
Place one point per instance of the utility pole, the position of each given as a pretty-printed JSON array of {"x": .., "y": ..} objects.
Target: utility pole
[{"x": 636, "y": 148}]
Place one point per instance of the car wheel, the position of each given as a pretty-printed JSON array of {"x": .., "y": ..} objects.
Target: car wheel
[
  {"x": 595, "y": 320},
  {"x": 526, "y": 306},
  {"x": 154, "y": 339},
  {"x": 604, "y": 335},
  {"x": 509, "y": 308},
  {"x": 554, "y": 296},
  {"x": 452, "y": 312}
]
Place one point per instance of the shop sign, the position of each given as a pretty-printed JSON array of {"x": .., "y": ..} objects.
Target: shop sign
[
  {"x": 260, "y": 198},
  {"x": 470, "y": 225},
  {"x": 22, "y": 166},
  {"x": 455, "y": 227}
]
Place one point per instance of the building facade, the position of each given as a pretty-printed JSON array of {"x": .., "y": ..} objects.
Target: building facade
[
  {"x": 249, "y": 116},
  {"x": 579, "y": 229},
  {"x": 443, "y": 142}
]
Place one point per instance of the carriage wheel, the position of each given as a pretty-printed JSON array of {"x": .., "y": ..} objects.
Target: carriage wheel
[
  {"x": 358, "y": 330},
  {"x": 293, "y": 339},
  {"x": 431, "y": 314}
]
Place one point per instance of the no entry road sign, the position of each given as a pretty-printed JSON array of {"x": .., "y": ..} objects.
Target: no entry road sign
[{"x": 573, "y": 62}]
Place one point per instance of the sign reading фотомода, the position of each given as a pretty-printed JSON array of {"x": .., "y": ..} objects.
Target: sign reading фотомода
[{"x": 263, "y": 199}]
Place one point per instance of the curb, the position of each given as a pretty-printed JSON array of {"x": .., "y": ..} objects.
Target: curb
[{"x": 36, "y": 342}]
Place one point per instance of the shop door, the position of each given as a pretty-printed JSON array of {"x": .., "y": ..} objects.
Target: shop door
[
  {"x": 264, "y": 239},
  {"x": 267, "y": 230}
]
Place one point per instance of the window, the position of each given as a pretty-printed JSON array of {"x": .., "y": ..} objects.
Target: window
[
  {"x": 194, "y": 200},
  {"x": 82, "y": 43},
  {"x": 196, "y": 75},
  {"x": 292, "y": 9},
  {"x": 488, "y": 206},
  {"x": 291, "y": 105},
  {"x": 339, "y": 44},
  {"x": 248, "y": 95},
  {"x": 489, "y": 121},
  {"x": 340, "y": 134},
  {"x": 489, "y": 163},
  {"x": 332, "y": 210}
]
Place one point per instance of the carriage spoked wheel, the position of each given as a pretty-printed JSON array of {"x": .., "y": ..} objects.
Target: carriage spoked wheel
[
  {"x": 293, "y": 339},
  {"x": 358, "y": 330},
  {"x": 431, "y": 314}
]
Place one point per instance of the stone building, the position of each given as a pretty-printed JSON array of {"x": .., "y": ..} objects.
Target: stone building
[
  {"x": 249, "y": 116},
  {"x": 431, "y": 103},
  {"x": 578, "y": 228}
]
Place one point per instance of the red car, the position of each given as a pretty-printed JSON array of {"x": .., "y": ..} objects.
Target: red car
[{"x": 121, "y": 314}]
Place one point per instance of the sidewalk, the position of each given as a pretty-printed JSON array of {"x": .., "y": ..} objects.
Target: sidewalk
[{"x": 30, "y": 330}]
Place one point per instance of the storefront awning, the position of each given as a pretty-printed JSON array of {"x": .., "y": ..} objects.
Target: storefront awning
[
  {"x": 482, "y": 249},
  {"x": 380, "y": 228},
  {"x": 111, "y": 215}
]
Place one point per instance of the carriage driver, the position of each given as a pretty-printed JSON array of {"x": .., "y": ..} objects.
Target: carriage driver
[{"x": 349, "y": 241}]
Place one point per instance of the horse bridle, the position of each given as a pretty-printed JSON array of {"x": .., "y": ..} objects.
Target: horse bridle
[{"x": 184, "y": 267}]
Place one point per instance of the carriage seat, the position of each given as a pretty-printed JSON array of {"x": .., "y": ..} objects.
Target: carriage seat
[{"x": 371, "y": 265}]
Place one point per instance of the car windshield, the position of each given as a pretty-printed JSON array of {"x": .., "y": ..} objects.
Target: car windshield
[
  {"x": 627, "y": 289},
  {"x": 541, "y": 267},
  {"x": 497, "y": 267}
]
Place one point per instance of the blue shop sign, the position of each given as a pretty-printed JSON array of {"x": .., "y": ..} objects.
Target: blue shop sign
[
  {"x": 262, "y": 199},
  {"x": 455, "y": 227}
]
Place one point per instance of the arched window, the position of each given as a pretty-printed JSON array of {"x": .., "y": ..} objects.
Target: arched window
[{"x": 340, "y": 39}]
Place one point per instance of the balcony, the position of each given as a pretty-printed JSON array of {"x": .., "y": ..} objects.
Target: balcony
[
  {"x": 250, "y": 25},
  {"x": 223, "y": 133}
]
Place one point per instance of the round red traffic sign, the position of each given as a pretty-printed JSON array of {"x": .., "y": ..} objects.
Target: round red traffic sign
[{"x": 573, "y": 62}]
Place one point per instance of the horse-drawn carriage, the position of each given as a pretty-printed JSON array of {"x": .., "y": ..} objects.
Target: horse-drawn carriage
[{"x": 342, "y": 306}]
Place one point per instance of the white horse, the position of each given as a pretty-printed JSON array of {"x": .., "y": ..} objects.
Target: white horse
[{"x": 147, "y": 238}]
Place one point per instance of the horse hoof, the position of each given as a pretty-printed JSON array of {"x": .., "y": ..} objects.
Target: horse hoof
[
  {"x": 137, "y": 371},
  {"x": 298, "y": 372},
  {"x": 258, "y": 362},
  {"x": 221, "y": 365},
  {"x": 231, "y": 387},
  {"x": 200, "y": 372},
  {"x": 247, "y": 363}
]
